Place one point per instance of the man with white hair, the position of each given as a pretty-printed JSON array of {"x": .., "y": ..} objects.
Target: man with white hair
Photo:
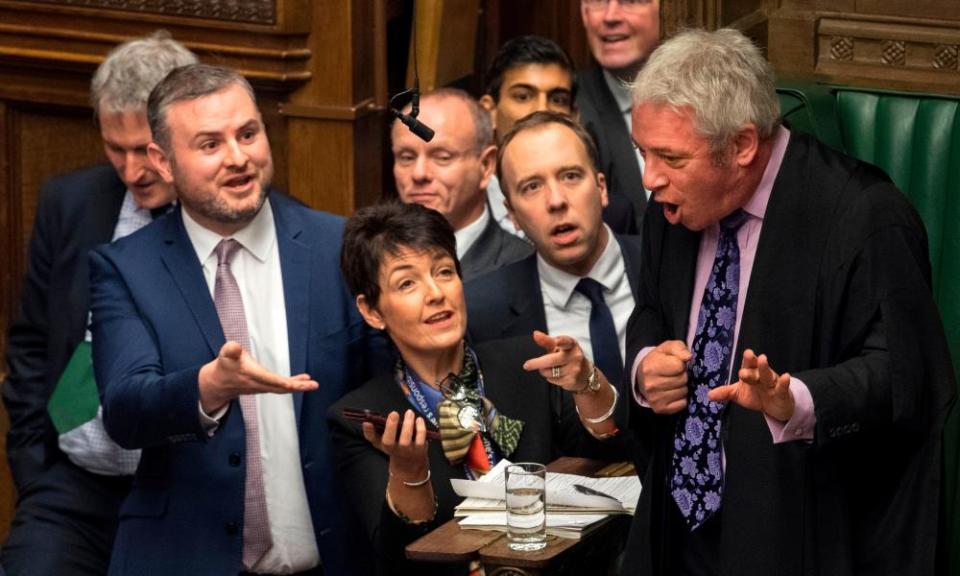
[
  {"x": 788, "y": 361},
  {"x": 70, "y": 477}
]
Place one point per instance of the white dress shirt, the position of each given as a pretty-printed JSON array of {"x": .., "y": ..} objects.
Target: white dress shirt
[
  {"x": 568, "y": 311},
  {"x": 257, "y": 270},
  {"x": 623, "y": 96},
  {"x": 469, "y": 234}
]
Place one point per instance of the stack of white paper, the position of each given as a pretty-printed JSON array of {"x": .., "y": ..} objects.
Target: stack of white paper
[{"x": 569, "y": 512}]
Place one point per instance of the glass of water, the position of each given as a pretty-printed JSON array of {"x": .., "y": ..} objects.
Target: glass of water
[{"x": 526, "y": 506}]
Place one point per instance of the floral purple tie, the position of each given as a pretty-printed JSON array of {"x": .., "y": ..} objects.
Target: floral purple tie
[
  {"x": 696, "y": 471},
  {"x": 229, "y": 304}
]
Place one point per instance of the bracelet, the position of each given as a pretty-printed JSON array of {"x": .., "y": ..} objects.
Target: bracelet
[
  {"x": 593, "y": 382},
  {"x": 416, "y": 484},
  {"x": 406, "y": 519},
  {"x": 607, "y": 414}
]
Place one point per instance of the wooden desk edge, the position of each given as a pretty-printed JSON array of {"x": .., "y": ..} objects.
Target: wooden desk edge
[{"x": 458, "y": 545}]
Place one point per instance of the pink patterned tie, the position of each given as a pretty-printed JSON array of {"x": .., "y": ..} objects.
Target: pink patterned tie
[{"x": 229, "y": 304}]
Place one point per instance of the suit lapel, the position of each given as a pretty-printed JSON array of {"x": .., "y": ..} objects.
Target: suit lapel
[
  {"x": 680, "y": 272},
  {"x": 621, "y": 149},
  {"x": 630, "y": 249},
  {"x": 295, "y": 263},
  {"x": 180, "y": 258},
  {"x": 526, "y": 301},
  {"x": 484, "y": 250},
  {"x": 98, "y": 213},
  {"x": 105, "y": 212}
]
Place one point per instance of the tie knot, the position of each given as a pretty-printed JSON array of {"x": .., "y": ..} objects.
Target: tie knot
[
  {"x": 226, "y": 250},
  {"x": 591, "y": 289},
  {"x": 734, "y": 220}
]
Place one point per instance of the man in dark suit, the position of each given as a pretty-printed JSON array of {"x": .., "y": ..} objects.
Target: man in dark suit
[
  {"x": 621, "y": 35},
  {"x": 788, "y": 361},
  {"x": 531, "y": 74},
  {"x": 220, "y": 337},
  {"x": 69, "y": 491},
  {"x": 555, "y": 194},
  {"x": 450, "y": 174}
]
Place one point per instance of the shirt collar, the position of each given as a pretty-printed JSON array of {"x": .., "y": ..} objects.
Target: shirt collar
[
  {"x": 757, "y": 205},
  {"x": 130, "y": 208},
  {"x": 620, "y": 90},
  {"x": 608, "y": 270},
  {"x": 257, "y": 237},
  {"x": 468, "y": 235}
]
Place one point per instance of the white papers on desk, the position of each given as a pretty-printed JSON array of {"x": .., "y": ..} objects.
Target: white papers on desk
[
  {"x": 487, "y": 494},
  {"x": 569, "y": 513},
  {"x": 558, "y": 524}
]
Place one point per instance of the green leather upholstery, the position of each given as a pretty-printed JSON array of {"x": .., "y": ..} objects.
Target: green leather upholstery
[{"x": 915, "y": 138}]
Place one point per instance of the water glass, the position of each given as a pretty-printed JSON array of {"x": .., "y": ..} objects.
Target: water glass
[{"x": 526, "y": 506}]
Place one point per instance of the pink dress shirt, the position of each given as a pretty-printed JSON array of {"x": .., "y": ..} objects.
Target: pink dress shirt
[{"x": 801, "y": 424}]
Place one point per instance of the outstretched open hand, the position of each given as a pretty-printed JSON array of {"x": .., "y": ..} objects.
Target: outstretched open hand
[
  {"x": 758, "y": 388},
  {"x": 234, "y": 372}
]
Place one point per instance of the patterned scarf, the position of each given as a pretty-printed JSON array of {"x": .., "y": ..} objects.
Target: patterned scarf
[{"x": 467, "y": 420}]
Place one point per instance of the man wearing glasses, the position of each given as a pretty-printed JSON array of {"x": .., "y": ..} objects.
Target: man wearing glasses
[{"x": 621, "y": 35}]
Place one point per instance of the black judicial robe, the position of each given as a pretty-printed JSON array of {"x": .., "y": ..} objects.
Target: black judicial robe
[{"x": 839, "y": 297}]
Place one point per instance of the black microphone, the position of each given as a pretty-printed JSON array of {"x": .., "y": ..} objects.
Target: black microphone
[{"x": 422, "y": 131}]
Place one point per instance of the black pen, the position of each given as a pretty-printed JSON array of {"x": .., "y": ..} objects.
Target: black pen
[{"x": 593, "y": 492}]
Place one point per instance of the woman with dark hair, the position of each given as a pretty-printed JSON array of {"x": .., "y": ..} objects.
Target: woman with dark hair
[{"x": 490, "y": 402}]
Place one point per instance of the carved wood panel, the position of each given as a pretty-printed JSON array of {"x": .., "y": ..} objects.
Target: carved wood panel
[
  {"x": 896, "y": 51},
  {"x": 895, "y": 44},
  {"x": 252, "y": 11}
]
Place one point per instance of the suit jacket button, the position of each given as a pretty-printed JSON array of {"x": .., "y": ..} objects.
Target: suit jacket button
[
  {"x": 235, "y": 459},
  {"x": 233, "y": 528}
]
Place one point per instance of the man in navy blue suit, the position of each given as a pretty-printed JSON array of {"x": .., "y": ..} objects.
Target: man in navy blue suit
[
  {"x": 70, "y": 482},
  {"x": 220, "y": 337},
  {"x": 581, "y": 271}
]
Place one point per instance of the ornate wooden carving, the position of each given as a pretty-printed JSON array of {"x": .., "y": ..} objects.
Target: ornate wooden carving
[
  {"x": 841, "y": 48},
  {"x": 894, "y": 52},
  {"x": 879, "y": 44},
  {"x": 253, "y": 11},
  {"x": 946, "y": 58},
  {"x": 857, "y": 47}
]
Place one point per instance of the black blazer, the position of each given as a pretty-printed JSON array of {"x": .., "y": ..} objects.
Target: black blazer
[
  {"x": 601, "y": 116},
  {"x": 547, "y": 435},
  {"x": 508, "y": 302},
  {"x": 494, "y": 248},
  {"x": 76, "y": 212},
  {"x": 839, "y": 297}
]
